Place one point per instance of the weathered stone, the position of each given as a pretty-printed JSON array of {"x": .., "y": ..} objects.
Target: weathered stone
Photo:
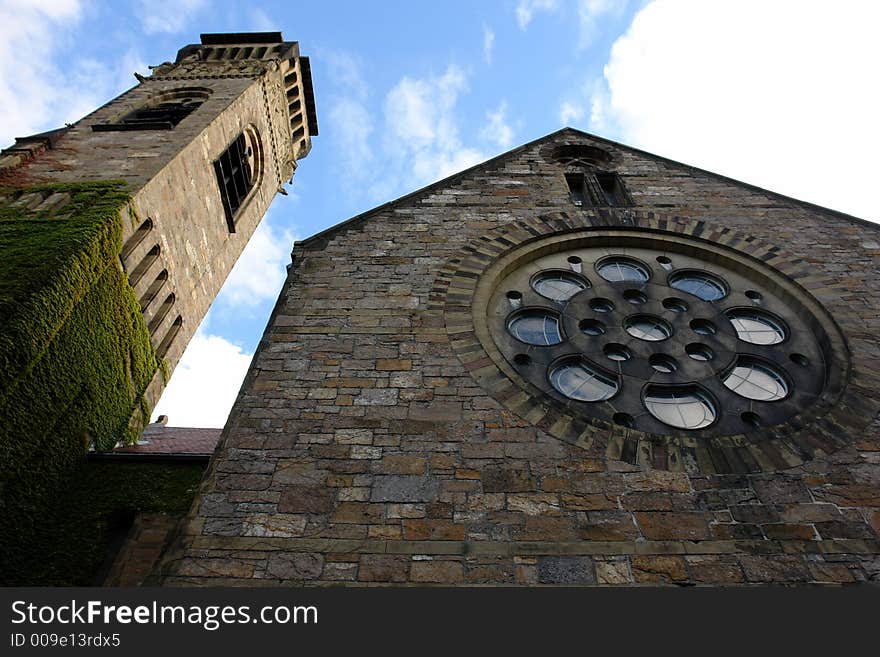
[
  {"x": 774, "y": 568},
  {"x": 306, "y": 499},
  {"x": 659, "y": 526},
  {"x": 357, "y": 512},
  {"x": 613, "y": 572},
  {"x": 435, "y": 530},
  {"x": 566, "y": 570},
  {"x": 659, "y": 569},
  {"x": 297, "y": 566},
  {"x": 442, "y": 572},
  {"x": 497, "y": 480},
  {"x": 405, "y": 488},
  {"x": 383, "y": 568}
]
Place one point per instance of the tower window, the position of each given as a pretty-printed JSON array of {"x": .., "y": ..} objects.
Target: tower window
[
  {"x": 599, "y": 189},
  {"x": 236, "y": 171},
  {"x": 161, "y": 113}
]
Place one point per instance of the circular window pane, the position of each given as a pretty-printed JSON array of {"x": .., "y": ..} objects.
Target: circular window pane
[
  {"x": 537, "y": 327},
  {"x": 618, "y": 270},
  {"x": 756, "y": 327},
  {"x": 663, "y": 363},
  {"x": 577, "y": 380},
  {"x": 682, "y": 407},
  {"x": 592, "y": 327},
  {"x": 647, "y": 327},
  {"x": 703, "y": 327},
  {"x": 558, "y": 285},
  {"x": 702, "y": 285},
  {"x": 675, "y": 305},
  {"x": 756, "y": 380}
]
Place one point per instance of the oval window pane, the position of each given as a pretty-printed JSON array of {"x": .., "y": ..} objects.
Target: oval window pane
[
  {"x": 683, "y": 407},
  {"x": 756, "y": 380},
  {"x": 577, "y": 380},
  {"x": 619, "y": 270},
  {"x": 558, "y": 285},
  {"x": 646, "y": 327},
  {"x": 536, "y": 327},
  {"x": 756, "y": 327},
  {"x": 702, "y": 285}
]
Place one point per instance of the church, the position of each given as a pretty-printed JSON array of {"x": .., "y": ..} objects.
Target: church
[{"x": 576, "y": 363}]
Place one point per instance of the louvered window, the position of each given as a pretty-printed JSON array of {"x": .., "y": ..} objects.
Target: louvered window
[{"x": 235, "y": 177}]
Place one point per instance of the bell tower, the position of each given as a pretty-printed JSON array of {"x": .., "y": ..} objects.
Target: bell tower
[
  {"x": 204, "y": 144},
  {"x": 116, "y": 234}
]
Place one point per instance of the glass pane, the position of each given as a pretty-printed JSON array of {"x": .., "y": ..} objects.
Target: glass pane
[
  {"x": 558, "y": 285},
  {"x": 576, "y": 380},
  {"x": 755, "y": 380},
  {"x": 652, "y": 329},
  {"x": 701, "y": 285},
  {"x": 536, "y": 327},
  {"x": 618, "y": 270},
  {"x": 756, "y": 328},
  {"x": 684, "y": 408}
]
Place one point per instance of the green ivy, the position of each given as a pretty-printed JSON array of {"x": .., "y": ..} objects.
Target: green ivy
[{"x": 75, "y": 352}]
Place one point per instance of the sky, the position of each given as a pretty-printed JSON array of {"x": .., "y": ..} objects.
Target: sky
[{"x": 777, "y": 93}]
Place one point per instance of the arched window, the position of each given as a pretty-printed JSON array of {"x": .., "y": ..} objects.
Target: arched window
[{"x": 238, "y": 169}]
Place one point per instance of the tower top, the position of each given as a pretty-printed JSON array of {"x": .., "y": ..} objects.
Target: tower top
[{"x": 253, "y": 54}]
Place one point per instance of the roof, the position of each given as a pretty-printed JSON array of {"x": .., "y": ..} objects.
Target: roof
[
  {"x": 162, "y": 443},
  {"x": 328, "y": 233}
]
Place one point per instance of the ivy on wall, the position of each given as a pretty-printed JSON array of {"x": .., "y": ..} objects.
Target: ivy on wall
[{"x": 75, "y": 353}]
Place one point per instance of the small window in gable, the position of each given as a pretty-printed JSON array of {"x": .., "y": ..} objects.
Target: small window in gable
[
  {"x": 237, "y": 170},
  {"x": 598, "y": 189}
]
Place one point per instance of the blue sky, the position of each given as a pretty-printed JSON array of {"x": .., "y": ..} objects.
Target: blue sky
[{"x": 777, "y": 93}]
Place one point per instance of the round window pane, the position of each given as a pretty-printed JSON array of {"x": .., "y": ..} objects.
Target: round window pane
[
  {"x": 756, "y": 327},
  {"x": 702, "y": 285},
  {"x": 647, "y": 327},
  {"x": 756, "y": 380},
  {"x": 577, "y": 380},
  {"x": 558, "y": 285},
  {"x": 536, "y": 327},
  {"x": 683, "y": 407},
  {"x": 618, "y": 270}
]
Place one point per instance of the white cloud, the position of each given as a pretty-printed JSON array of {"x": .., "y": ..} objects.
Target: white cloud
[
  {"x": 261, "y": 269},
  {"x": 488, "y": 44},
  {"x": 526, "y": 9},
  {"x": 779, "y": 94},
  {"x": 350, "y": 123},
  {"x": 168, "y": 16},
  {"x": 36, "y": 94},
  {"x": 30, "y": 95},
  {"x": 422, "y": 129},
  {"x": 570, "y": 112},
  {"x": 205, "y": 382},
  {"x": 589, "y": 12},
  {"x": 497, "y": 129}
]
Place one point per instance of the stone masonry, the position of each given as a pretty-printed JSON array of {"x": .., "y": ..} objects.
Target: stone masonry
[
  {"x": 177, "y": 246},
  {"x": 362, "y": 451}
]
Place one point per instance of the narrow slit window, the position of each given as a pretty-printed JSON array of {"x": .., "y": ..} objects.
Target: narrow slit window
[{"x": 576, "y": 187}]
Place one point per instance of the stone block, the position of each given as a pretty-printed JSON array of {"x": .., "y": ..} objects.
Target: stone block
[
  {"x": 440, "y": 572},
  {"x": 383, "y": 568},
  {"x": 295, "y": 566},
  {"x": 307, "y": 499},
  {"x": 684, "y": 526},
  {"x": 566, "y": 570},
  {"x": 498, "y": 480},
  {"x": 405, "y": 488}
]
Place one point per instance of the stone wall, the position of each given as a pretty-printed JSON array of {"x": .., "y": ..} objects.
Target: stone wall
[{"x": 362, "y": 451}]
